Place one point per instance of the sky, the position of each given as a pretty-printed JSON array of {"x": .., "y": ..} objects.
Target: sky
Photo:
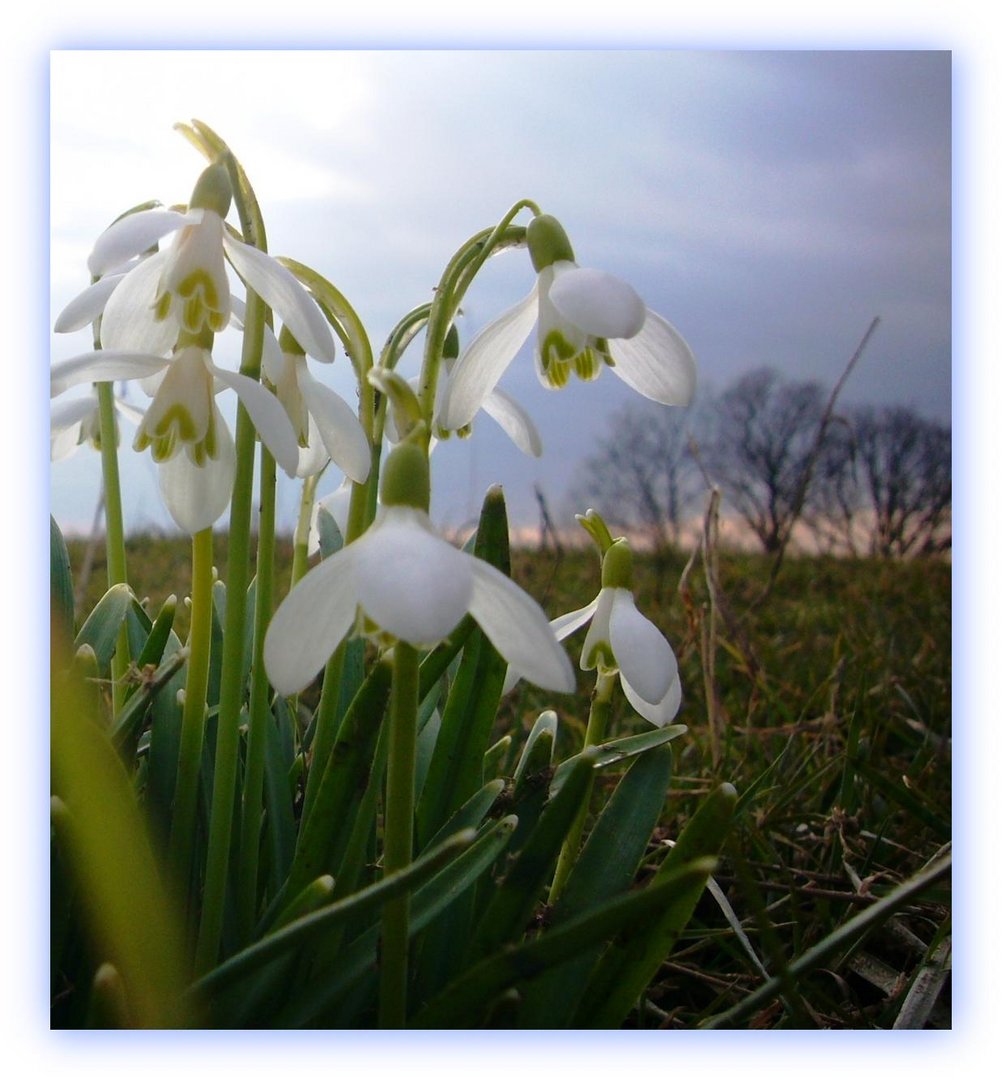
[{"x": 767, "y": 203}]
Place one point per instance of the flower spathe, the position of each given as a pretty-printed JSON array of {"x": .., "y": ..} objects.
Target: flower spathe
[
  {"x": 585, "y": 319},
  {"x": 414, "y": 586}
]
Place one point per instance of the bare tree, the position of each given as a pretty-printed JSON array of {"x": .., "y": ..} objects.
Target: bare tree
[
  {"x": 832, "y": 510},
  {"x": 642, "y": 477},
  {"x": 883, "y": 484},
  {"x": 905, "y": 472},
  {"x": 765, "y": 432}
]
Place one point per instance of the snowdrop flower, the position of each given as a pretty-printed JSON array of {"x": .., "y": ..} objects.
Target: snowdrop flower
[
  {"x": 621, "y": 639},
  {"x": 325, "y": 426},
  {"x": 76, "y": 421},
  {"x": 586, "y": 319},
  {"x": 404, "y": 579},
  {"x": 183, "y": 428},
  {"x": 502, "y": 408},
  {"x": 186, "y": 287}
]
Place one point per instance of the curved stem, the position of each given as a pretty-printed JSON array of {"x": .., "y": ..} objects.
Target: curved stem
[
  {"x": 398, "y": 832},
  {"x": 456, "y": 279}
]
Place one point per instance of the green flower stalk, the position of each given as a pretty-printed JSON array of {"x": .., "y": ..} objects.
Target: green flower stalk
[{"x": 193, "y": 713}]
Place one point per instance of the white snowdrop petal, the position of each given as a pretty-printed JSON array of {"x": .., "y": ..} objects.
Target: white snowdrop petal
[
  {"x": 130, "y": 412},
  {"x": 312, "y": 457},
  {"x": 660, "y": 713},
  {"x": 339, "y": 428},
  {"x": 134, "y": 234},
  {"x": 197, "y": 496},
  {"x": 516, "y": 423},
  {"x": 562, "y": 628},
  {"x": 598, "y": 632},
  {"x": 128, "y": 321},
  {"x": 518, "y": 628},
  {"x": 657, "y": 362},
  {"x": 598, "y": 303},
  {"x": 64, "y": 441},
  {"x": 484, "y": 361},
  {"x": 282, "y": 292},
  {"x": 565, "y": 625},
  {"x": 411, "y": 582},
  {"x": 71, "y": 411},
  {"x": 311, "y": 622},
  {"x": 644, "y": 657},
  {"x": 266, "y": 413},
  {"x": 103, "y": 365},
  {"x": 84, "y": 308}
]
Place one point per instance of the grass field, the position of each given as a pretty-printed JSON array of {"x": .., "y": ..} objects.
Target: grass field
[{"x": 828, "y": 705}]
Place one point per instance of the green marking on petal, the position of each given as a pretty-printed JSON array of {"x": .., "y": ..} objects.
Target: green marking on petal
[
  {"x": 586, "y": 365},
  {"x": 601, "y": 657},
  {"x": 177, "y": 416},
  {"x": 161, "y": 307}
]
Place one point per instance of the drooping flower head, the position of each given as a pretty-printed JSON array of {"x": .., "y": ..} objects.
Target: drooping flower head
[
  {"x": 186, "y": 286},
  {"x": 621, "y": 640},
  {"x": 586, "y": 319},
  {"x": 325, "y": 426},
  {"x": 401, "y": 580},
  {"x": 183, "y": 427}
]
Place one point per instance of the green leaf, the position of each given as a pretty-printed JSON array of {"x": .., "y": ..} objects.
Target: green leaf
[
  {"x": 326, "y": 829},
  {"x": 295, "y": 934},
  {"x": 513, "y": 900},
  {"x": 100, "y": 631},
  {"x": 129, "y": 719},
  {"x": 605, "y": 868},
  {"x": 495, "y": 758},
  {"x": 616, "y": 750},
  {"x": 60, "y": 583},
  {"x": 430, "y": 902},
  {"x": 466, "y": 1001},
  {"x": 633, "y": 959},
  {"x": 456, "y": 768},
  {"x": 158, "y": 635},
  {"x": 131, "y": 923}
]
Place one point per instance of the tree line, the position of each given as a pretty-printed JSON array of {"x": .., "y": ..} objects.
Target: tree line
[{"x": 862, "y": 480}]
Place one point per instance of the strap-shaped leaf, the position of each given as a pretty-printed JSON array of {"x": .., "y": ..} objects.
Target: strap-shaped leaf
[
  {"x": 605, "y": 868},
  {"x": 465, "y": 1002},
  {"x": 634, "y": 957},
  {"x": 297, "y": 933},
  {"x": 456, "y": 768},
  {"x": 514, "y": 899},
  {"x": 60, "y": 582},
  {"x": 100, "y": 630}
]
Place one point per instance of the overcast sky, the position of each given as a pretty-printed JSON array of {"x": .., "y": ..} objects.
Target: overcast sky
[{"x": 769, "y": 204}]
